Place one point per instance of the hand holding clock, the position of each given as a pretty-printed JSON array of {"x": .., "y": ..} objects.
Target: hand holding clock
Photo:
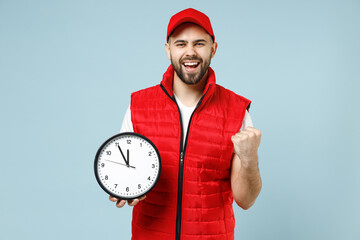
[{"x": 120, "y": 202}]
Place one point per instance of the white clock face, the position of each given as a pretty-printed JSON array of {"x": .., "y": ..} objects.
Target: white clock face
[{"x": 127, "y": 165}]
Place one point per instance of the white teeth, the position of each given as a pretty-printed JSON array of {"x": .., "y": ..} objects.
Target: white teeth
[{"x": 190, "y": 64}]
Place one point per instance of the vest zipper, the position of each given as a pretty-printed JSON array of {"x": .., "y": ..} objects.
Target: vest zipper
[
  {"x": 179, "y": 199},
  {"x": 181, "y": 161}
]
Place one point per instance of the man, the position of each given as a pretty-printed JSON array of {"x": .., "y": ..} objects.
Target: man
[{"x": 205, "y": 138}]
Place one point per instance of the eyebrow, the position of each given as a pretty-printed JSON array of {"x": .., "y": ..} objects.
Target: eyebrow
[
  {"x": 195, "y": 41},
  {"x": 180, "y": 41},
  {"x": 200, "y": 40}
]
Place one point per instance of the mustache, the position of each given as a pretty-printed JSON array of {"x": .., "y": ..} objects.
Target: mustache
[{"x": 191, "y": 59}]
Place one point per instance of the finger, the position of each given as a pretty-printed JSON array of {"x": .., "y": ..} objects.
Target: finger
[
  {"x": 241, "y": 136},
  {"x": 258, "y": 132},
  {"x": 254, "y": 133},
  {"x": 142, "y": 198},
  {"x": 234, "y": 139},
  {"x": 133, "y": 202},
  {"x": 249, "y": 130},
  {"x": 120, "y": 203},
  {"x": 113, "y": 199},
  {"x": 253, "y": 130},
  {"x": 237, "y": 137}
]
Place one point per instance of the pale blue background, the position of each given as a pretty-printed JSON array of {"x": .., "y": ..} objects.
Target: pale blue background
[{"x": 67, "y": 69}]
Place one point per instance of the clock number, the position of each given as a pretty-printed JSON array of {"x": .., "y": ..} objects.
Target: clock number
[
  {"x": 127, "y": 189},
  {"x": 115, "y": 185},
  {"x": 128, "y": 141},
  {"x": 140, "y": 144},
  {"x": 106, "y": 177},
  {"x": 149, "y": 178},
  {"x": 103, "y": 165},
  {"x": 108, "y": 152},
  {"x": 116, "y": 144},
  {"x": 153, "y": 165},
  {"x": 139, "y": 186},
  {"x": 150, "y": 154}
]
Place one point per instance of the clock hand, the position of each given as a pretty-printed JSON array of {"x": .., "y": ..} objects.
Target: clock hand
[
  {"x": 128, "y": 160},
  {"x": 122, "y": 154},
  {"x": 120, "y": 163}
]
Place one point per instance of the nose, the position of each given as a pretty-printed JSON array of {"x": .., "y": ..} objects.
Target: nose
[{"x": 190, "y": 50}]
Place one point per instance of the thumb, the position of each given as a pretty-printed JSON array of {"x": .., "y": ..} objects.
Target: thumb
[{"x": 235, "y": 139}]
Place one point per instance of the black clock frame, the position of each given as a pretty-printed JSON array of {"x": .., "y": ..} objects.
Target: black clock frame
[{"x": 97, "y": 159}]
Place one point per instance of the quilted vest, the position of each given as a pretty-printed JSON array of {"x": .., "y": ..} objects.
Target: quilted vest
[{"x": 193, "y": 197}]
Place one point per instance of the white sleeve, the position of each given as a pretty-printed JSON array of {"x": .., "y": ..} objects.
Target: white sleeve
[
  {"x": 127, "y": 125},
  {"x": 247, "y": 122}
]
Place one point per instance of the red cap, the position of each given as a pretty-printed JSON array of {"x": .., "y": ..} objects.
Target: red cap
[{"x": 193, "y": 16}]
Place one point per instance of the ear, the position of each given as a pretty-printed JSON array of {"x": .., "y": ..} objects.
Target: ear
[
  {"x": 167, "y": 49},
  {"x": 213, "y": 49}
]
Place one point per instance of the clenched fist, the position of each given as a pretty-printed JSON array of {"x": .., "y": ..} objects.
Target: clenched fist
[{"x": 246, "y": 144}]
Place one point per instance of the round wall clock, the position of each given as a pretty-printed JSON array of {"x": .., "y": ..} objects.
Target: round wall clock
[{"x": 127, "y": 165}]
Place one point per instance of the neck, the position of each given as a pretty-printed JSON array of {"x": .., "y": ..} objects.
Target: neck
[{"x": 189, "y": 95}]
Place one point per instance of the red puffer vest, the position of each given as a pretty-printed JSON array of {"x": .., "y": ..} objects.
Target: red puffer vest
[{"x": 193, "y": 197}]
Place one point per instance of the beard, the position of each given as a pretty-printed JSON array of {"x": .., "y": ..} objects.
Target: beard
[{"x": 191, "y": 78}]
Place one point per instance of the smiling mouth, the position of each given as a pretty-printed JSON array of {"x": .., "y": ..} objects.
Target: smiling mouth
[{"x": 190, "y": 66}]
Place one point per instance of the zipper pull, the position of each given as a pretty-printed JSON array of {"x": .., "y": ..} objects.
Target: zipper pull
[{"x": 181, "y": 157}]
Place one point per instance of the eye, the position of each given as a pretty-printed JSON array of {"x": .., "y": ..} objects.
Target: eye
[
  {"x": 199, "y": 44},
  {"x": 180, "y": 45}
]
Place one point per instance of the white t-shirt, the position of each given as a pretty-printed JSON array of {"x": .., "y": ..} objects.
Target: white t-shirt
[{"x": 185, "y": 118}]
